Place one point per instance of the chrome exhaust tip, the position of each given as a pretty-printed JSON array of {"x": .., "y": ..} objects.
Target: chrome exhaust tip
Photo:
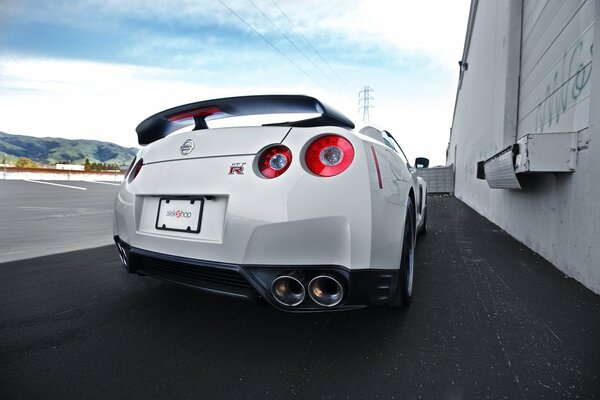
[
  {"x": 122, "y": 256},
  {"x": 325, "y": 290},
  {"x": 288, "y": 290}
]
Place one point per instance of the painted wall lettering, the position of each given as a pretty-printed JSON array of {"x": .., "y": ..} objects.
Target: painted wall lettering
[{"x": 571, "y": 76}]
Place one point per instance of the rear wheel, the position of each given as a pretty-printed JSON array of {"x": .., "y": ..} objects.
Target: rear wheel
[{"x": 404, "y": 286}]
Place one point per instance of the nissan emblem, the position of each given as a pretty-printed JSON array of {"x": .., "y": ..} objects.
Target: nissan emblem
[{"x": 187, "y": 147}]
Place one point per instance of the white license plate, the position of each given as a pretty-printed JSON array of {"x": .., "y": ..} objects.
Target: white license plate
[{"x": 182, "y": 215}]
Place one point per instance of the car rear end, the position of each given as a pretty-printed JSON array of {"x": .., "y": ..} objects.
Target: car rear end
[{"x": 273, "y": 213}]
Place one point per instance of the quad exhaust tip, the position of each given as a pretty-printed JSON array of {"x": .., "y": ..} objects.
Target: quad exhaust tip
[
  {"x": 325, "y": 290},
  {"x": 288, "y": 290}
]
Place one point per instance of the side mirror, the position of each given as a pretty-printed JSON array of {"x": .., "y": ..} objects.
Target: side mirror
[{"x": 421, "y": 162}]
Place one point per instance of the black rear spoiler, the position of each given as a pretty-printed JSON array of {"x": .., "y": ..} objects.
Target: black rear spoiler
[{"x": 165, "y": 122}]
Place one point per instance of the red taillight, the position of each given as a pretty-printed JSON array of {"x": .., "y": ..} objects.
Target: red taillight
[
  {"x": 274, "y": 161},
  {"x": 329, "y": 155},
  {"x": 200, "y": 112},
  {"x": 130, "y": 167},
  {"x": 136, "y": 170}
]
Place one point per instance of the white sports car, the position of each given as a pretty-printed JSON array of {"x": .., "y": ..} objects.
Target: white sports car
[{"x": 309, "y": 215}]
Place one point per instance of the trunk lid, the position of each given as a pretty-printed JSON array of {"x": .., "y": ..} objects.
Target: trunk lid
[{"x": 219, "y": 142}]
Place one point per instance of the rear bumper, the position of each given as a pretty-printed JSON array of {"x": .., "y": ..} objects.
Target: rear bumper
[{"x": 363, "y": 287}]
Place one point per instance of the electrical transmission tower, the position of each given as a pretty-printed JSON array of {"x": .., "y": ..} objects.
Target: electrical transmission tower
[{"x": 364, "y": 101}]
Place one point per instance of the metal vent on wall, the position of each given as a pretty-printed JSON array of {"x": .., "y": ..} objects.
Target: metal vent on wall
[
  {"x": 547, "y": 152},
  {"x": 533, "y": 153},
  {"x": 499, "y": 170}
]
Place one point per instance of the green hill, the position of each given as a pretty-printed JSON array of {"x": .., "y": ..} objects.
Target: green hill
[{"x": 54, "y": 150}]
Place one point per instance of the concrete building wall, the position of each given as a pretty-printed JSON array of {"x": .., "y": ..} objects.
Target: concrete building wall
[
  {"x": 530, "y": 71},
  {"x": 556, "y": 66}
]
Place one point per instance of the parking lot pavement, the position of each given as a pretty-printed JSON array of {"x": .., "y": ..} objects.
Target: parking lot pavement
[
  {"x": 490, "y": 319},
  {"x": 41, "y": 218}
]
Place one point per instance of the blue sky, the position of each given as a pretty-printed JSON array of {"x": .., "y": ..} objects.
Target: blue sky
[{"x": 95, "y": 69}]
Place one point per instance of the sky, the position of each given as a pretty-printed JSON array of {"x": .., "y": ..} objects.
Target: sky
[{"x": 94, "y": 69}]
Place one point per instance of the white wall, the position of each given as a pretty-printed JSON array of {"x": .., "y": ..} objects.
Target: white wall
[
  {"x": 557, "y": 215},
  {"x": 556, "y": 66}
]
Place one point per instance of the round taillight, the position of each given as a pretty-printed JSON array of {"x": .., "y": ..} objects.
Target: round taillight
[
  {"x": 136, "y": 170},
  {"x": 329, "y": 155},
  {"x": 274, "y": 161}
]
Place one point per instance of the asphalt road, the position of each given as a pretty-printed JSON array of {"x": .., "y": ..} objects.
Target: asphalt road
[
  {"x": 490, "y": 319},
  {"x": 41, "y": 218}
]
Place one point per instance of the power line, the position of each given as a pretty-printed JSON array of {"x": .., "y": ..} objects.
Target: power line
[
  {"x": 271, "y": 44},
  {"x": 310, "y": 44},
  {"x": 364, "y": 102},
  {"x": 292, "y": 42}
]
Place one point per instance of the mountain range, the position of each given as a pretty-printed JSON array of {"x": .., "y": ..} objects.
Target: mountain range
[{"x": 48, "y": 150}]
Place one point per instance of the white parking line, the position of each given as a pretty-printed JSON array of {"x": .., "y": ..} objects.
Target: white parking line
[
  {"x": 105, "y": 183},
  {"x": 55, "y": 184}
]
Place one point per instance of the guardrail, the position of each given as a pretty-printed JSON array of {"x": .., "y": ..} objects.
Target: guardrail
[{"x": 45, "y": 174}]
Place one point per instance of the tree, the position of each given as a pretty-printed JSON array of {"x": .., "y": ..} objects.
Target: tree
[
  {"x": 87, "y": 165},
  {"x": 24, "y": 162}
]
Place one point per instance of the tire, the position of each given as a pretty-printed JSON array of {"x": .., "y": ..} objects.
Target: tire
[{"x": 404, "y": 286}]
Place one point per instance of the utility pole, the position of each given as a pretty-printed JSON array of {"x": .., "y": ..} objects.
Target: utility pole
[{"x": 364, "y": 101}]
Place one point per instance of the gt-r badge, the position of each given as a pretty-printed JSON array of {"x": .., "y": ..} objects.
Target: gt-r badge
[
  {"x": 187, "y": 147},
  {"x": 236, "y": 169}
]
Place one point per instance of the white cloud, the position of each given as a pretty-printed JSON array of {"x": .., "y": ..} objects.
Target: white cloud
[
  {"x": 435, "y": 28},
  {"x": 76, "y": 99},
  {"x": 80, "y": 99}
]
